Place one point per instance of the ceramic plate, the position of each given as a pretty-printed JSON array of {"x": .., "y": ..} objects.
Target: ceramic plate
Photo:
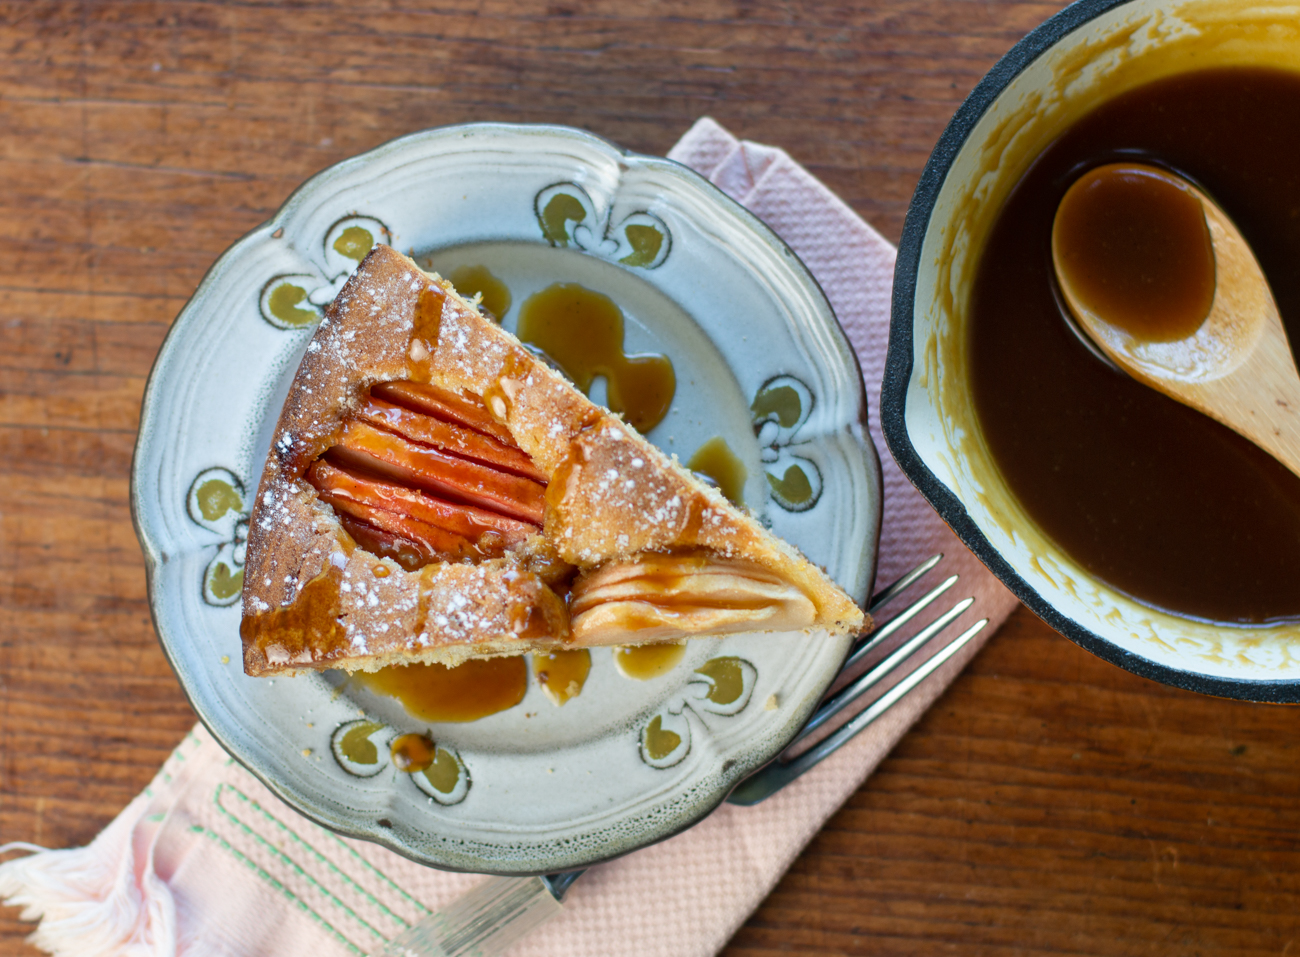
[{"x": 760, "y": 361}]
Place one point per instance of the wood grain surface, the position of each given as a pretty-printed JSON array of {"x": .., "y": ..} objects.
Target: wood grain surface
[{"x": 1049, "y": 804}]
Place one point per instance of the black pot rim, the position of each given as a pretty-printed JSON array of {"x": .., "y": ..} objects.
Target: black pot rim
[{"x": 898, "y": 371}]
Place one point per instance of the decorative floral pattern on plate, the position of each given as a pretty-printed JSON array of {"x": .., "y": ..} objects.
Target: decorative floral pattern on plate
[
  {"x": 296, "y": 300},
  {"x": 780, "y": 409},
  {"x": 568, "y": 218},
  {"x": 437, "y": 771},
  {"x": 217, "y": 502},
  {"x": 724, "y": 687}
]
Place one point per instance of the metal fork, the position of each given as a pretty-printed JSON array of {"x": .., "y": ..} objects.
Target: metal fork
[{"x": 496, "y": 914}]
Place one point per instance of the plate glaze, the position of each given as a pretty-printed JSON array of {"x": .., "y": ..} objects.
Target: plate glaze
[{"x": 760, "y": 361}]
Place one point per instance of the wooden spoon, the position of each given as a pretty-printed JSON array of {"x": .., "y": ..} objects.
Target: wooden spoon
[{"x": 1162, "y": 281}]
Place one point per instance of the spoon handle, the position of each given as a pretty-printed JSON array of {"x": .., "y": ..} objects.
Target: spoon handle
[{"x": 1260, "y": 399}]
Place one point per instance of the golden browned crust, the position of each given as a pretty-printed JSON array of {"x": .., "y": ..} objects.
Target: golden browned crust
[{"x": 314, "y": 599}]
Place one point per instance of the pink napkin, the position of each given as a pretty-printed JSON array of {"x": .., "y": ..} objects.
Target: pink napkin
[{"x": 208, "y": 863}]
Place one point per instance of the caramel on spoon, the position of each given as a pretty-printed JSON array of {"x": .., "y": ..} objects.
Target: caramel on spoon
[{"x": 1164, "y": 284}]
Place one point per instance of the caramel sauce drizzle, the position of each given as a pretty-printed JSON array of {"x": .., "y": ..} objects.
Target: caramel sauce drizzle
[
  {"x": 562, "y": 674},
  {"x": 424, "y": 332},
  {"x": 1138, "y": 251},
  {"x": 643, "y": 662},
  {"x": 418, "y": 754},
  {"x": 412, "y": 753},
  {"x": 475, "y": 689},
  {"x": 715, "y": 460},
  {"x": 582, "y": 332},
  {"x": 471, "y": 281},
  {"x": 303, "y": 630}
]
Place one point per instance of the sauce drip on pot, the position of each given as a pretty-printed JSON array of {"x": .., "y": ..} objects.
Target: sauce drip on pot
[{"x": 1150, "y": 496}]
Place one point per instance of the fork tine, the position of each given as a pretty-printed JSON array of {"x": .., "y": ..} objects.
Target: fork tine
[
  {"x": 856, "y": 689},
  {"x": 893, "y": 591},
  {"x": 869, "y": 642},
  {"x": 778, "y": 774}
]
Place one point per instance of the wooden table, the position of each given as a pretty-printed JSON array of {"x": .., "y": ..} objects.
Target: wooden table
[{"x": 1050, "y": 803}]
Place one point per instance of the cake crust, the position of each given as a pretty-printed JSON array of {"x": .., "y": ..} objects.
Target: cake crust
[{"x": 315, "y": 598}]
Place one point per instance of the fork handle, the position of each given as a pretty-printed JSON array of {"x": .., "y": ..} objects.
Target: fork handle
[{"x": 485, "y": 922}]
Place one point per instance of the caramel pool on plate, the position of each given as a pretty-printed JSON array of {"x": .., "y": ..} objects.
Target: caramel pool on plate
[
  {"x": 472, "y": 690},
  {"x": 582, "y": 331},
  {"x": 643, "y": 662},
  {"x": 562, "y": 674}
]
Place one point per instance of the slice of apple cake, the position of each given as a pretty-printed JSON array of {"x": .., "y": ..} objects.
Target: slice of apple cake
[{"x": 435, "y": 492}]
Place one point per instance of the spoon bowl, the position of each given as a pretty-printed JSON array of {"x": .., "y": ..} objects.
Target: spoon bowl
[{"x": 1221, "y": 348}]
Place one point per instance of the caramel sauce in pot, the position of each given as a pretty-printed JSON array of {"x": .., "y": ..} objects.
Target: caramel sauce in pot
[
  {"x": 1150, "y": 496},
  {"x": 1133, "y": 243}
]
